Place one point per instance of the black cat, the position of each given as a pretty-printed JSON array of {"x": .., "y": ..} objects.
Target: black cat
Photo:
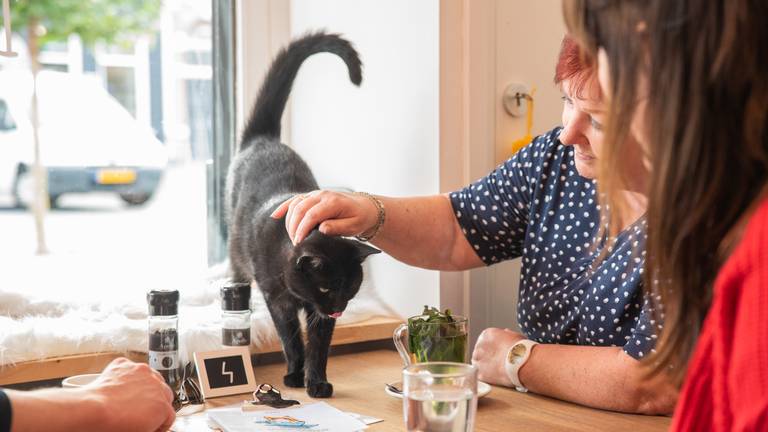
[{"x": 319, "y": 275}]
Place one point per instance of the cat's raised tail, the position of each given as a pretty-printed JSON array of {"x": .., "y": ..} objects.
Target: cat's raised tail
[{"x": 266, "y": 114}]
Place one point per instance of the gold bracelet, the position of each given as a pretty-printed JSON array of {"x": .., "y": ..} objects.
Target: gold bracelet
[{"x": 371, "y": 233}]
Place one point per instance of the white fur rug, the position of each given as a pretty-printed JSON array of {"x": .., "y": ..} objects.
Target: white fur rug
[{"x": 91, "y": 319}]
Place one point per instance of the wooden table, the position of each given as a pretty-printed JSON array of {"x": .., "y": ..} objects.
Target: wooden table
[{"x": 359, "y": 380}]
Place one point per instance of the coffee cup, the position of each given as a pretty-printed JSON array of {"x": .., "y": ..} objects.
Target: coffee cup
[{"x": 79, "y": 380}]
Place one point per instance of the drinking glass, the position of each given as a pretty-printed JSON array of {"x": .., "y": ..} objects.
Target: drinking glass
[
  {"x": 439, "y": 397},
  {"x": 432, "y": 341}
]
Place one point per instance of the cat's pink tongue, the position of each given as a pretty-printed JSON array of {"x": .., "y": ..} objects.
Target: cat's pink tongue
[{"x": 335, "y": 315}]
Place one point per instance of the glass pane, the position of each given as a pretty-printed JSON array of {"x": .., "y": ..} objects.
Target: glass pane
[
  {"x": 57, "y": 46},
  {"x": 125, "y": 132},
  {"x": 120, "y": 84},
  {"x": 224, "y": 127},
  {"x": 6, "y": 119},
  {"x": 55, "y": 67}
]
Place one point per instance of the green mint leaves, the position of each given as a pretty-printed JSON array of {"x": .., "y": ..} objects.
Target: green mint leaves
[{"x": 437, "y": 336}]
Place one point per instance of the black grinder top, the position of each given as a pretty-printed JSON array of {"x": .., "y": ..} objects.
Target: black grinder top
[
  {"x": 163, "y": 302},
  {"x": 236, "y": 297}
]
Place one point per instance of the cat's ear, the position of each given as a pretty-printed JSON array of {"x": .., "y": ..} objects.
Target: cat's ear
[
  {"x": 363, "y": 251},
  {"x": 309, "y": 263}
]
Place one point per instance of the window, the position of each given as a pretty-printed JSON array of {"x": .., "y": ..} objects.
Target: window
[
  {"x": 135, "y": 139},
  {"x": 125, "y": 139},
  {"x": 120, "y": 84},
  {"x": 6, "y": 121},
  {"x": 223, "y": 126}
]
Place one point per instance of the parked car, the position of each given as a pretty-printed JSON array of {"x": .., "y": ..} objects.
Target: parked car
[{"x": 88, "y": 141}]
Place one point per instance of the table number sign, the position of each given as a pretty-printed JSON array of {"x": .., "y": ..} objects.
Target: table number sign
[{"x": 225, "y": 372}]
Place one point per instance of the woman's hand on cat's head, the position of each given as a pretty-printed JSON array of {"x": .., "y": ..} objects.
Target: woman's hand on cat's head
[{"x": 336, "y": 214}]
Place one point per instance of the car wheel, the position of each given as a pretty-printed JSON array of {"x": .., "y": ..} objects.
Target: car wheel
[
  {"x": 24, "y": 190},
  {"x": 135, "y": 198}
]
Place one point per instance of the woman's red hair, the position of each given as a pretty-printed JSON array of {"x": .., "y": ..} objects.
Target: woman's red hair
[{"x": 572, "y": 65}]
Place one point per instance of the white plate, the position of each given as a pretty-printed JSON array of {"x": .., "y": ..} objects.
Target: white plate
[{"x": 482, "y": 389}]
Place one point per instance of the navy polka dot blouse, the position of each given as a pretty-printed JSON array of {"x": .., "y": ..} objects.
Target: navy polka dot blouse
[{"x": 536, "y": 206}]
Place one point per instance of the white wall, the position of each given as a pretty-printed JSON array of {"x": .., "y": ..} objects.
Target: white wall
[{"x": 383, "y": 136}]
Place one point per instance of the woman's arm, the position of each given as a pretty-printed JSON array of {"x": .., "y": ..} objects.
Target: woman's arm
[
  {"x": 599, "y": 377},
  {"x": 419, "y": 231}
]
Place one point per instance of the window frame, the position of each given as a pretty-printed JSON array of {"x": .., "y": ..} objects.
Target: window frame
[{"x": 224, "y": 126}]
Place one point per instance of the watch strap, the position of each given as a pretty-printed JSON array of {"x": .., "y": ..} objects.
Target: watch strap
[{"x": 513, "y": 369}]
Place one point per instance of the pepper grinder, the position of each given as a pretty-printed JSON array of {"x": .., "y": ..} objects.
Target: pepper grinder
[
  {"x": 236, "y": 314},
  {"x": 164, "y": 335}
]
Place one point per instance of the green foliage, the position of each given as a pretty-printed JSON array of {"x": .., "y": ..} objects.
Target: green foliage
[
  {"x": 109, "y": 21},
  {"x": 433, "y": 315},
  {"x": 437, "y": 336}
]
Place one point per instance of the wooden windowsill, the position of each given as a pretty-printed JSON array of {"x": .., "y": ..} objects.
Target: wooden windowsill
[{"x": 378, "y": 328}]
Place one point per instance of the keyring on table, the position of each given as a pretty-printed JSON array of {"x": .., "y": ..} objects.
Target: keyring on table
[
  {"x": 188, "y": 399},
  {"x": 267, "y": 394},
  {"x": 265, "y": 388}
]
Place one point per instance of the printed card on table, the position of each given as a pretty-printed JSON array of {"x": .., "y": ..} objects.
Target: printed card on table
[{"x": 316, "y": 417}]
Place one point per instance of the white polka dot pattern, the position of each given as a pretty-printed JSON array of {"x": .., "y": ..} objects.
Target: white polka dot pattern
[{"x": 536, "y": 206}]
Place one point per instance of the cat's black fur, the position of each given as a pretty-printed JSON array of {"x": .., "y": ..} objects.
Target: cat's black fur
[{"x": 321, "y": 274}]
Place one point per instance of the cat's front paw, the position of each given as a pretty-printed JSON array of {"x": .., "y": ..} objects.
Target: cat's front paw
[
  {"x": 320, "y": 390},
  {"x": 295, "y": 379}
]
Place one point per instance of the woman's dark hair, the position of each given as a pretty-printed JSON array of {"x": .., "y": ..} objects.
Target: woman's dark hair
[{"x": 704, "y": 64}]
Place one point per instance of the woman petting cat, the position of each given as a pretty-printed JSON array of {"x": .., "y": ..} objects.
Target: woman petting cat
[
  {"x": 323, "y": 273},
  {"x": 584, "y": 319}
]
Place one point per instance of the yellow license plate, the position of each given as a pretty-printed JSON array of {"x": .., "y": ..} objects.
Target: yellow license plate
[{"x": 116, "y": 176}]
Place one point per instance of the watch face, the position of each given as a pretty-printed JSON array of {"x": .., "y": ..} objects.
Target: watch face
[{"x": 517, "y": 353}]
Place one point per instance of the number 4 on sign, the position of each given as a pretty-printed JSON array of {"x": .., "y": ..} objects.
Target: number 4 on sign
[{"x": 228, "y": 373}]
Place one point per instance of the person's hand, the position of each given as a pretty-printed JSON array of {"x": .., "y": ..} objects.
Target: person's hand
[
  {"x": 336, "y": 213},
  {"x": 134, "y": 396},
  {"x": 488, "y": 356}
]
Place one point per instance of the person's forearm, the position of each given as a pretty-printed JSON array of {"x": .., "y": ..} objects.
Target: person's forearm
[
  {"x": 423, "y": 232},
  {"x": 600, "y": 377},
  {"x": 55, "y": 410}
]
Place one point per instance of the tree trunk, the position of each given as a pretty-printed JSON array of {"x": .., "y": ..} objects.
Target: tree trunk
[{"x": 41, "y": 200}]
